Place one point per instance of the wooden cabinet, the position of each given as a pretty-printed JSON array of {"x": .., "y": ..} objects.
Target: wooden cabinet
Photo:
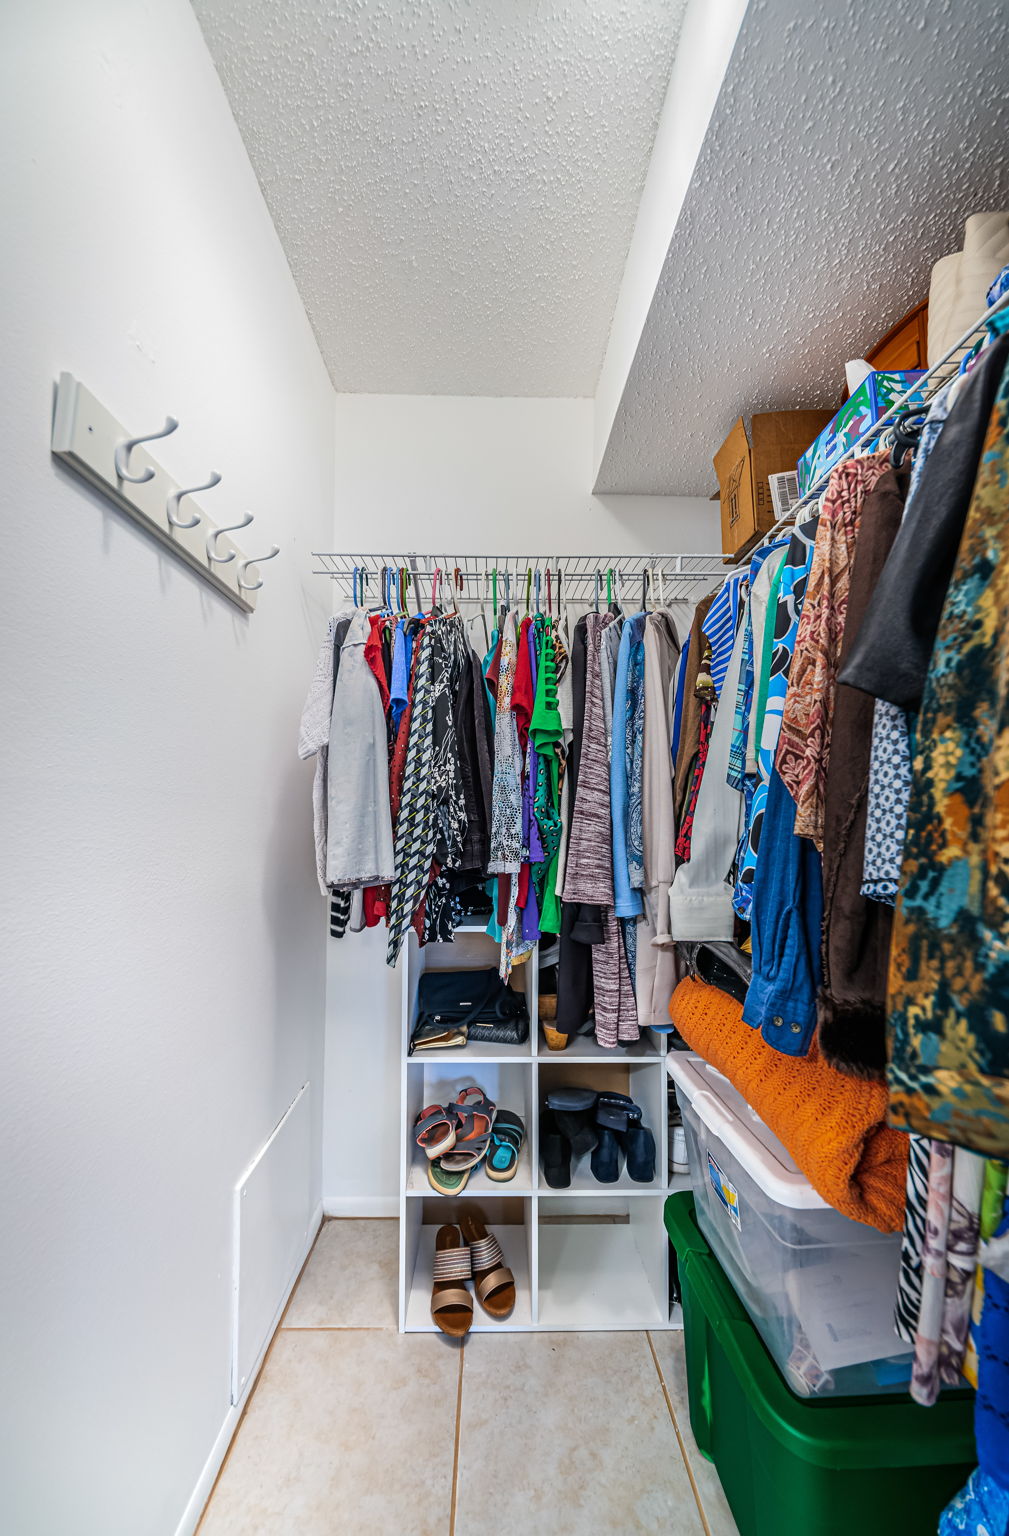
[{"x": 905, "y": 345}]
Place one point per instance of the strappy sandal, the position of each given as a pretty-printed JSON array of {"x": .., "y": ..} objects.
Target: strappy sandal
[
  {"x": 434, "y": 1130},
  {"x": 451, "y": 1302},
  {"x": 474, "y": 1115},
  {"x": 448, "y": 1181},
  {"x": 506, "y": 1142},
  {"x": 493, "y": 1281}
]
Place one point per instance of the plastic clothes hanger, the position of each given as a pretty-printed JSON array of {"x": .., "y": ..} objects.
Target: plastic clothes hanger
[{"x": 483, "y": 608}]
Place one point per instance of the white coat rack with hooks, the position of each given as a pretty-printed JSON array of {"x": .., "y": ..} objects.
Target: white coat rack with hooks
[{"x": 89, "y": 439}]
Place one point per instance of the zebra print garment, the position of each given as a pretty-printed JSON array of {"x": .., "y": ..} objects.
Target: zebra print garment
[
  {"x": 909, "y": 1280},
  {"x": 431, "y": 820}
]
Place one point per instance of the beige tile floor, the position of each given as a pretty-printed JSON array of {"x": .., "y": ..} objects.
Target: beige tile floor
[{"x": 354, "y": 1427}]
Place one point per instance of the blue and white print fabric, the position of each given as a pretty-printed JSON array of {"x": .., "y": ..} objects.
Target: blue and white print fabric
[
  {"x": 720, "y": 626},
  {"x": 886, "y": 807}
]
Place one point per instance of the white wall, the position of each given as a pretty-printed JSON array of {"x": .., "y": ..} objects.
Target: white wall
[
  {"x": 162, "y": 981},
  {"x": 453, "y": 475}
]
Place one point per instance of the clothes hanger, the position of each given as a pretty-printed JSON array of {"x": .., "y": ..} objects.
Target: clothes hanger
[
  {"x": 596, "y": 599},
  {"x": 355, "y": 586},
  {"x": 905, "y": 431},
  {"x": 435, "y": 579},
  {"x": 536, "y": 589}
]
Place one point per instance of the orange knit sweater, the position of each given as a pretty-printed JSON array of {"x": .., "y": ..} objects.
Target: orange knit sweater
[{"x": 833, "y": 1125}]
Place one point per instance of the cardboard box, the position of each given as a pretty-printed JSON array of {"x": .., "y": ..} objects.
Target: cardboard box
[
  {"x": 743, "y": 464},
  {"x": 871, "y": 399}
]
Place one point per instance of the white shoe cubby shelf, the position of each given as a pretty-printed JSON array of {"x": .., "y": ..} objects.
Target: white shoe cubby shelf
[{"x": 590, "y": 1257}]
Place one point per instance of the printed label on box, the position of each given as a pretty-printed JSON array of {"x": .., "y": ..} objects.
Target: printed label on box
[{"x": 725, "y": 1191}]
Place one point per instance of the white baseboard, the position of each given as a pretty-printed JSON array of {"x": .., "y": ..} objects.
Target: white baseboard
[
  {"x": 201, "y": 1493},
  {"x": 360, "y": 1205}
]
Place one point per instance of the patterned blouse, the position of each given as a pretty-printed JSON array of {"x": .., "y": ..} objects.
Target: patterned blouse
[{"x": 804, "y": 743}]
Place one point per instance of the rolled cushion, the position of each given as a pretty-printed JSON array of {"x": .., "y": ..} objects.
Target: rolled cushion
[{"x": 833, "y": 1125}]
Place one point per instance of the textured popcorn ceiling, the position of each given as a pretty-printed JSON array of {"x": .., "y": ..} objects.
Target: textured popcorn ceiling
[
  {"x": 848, "y": 145},
  {"x": 454, "y": 183}
]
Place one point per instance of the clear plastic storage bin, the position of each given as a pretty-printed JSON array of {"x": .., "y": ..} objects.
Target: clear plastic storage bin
[{"x": 819, "y": 1287}]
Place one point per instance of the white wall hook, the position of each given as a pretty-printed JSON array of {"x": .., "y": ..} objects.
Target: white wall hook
[
  {"x": 243, "y": 570},
  {"x": 172, "y": 506},
  {"x": 126, "y": 447},
  {"x": 212, "y": 539}
]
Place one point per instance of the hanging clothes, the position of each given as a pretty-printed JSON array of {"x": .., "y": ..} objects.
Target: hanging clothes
[
  {"x": 415, "y": 823},
  {"x": 581, "y": 923},
  {"x": 547, "y": 735},
  {"x": 628, "y": 723},
  {"x": 313, "y": 736},
  {"x": 720, "y": 625},
  {"x": 475, "y": 746},
  {"x": 690, "y": 708},
  {"x": 912, "y": 1247},
  {"x": 359, "y": 849},
  {"x": 890, "y": 767},
  {"x": 700, "y": 900},
  {"x": 656, "y": 972},
  {"x": 948, "y": 1071},
  {"x": 961, "y": 1262},
  {"x": 589, "y": 873},
  {"x": 506, "y": 851},
  {"x": 804, "y": 742},
  {"x": 851, "y": 1006},
  {"x": 780, "y": 636},
  {"x": 925, "y": 1370},
  {"x": 895, "y": 646},
  {"x": 742, "y": 771}
]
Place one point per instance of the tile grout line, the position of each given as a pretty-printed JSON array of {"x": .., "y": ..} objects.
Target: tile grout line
[
  {"x": 458, "y": 1437},
  {"x": 262, "y": 1371},
  {"x": 679, "y": 1437},
  {"x": 337, "y": 1327}
]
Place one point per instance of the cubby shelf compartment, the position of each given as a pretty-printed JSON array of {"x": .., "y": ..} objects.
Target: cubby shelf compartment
[
  {"x": 417, "y": 1293},
  {"x": 593, "y": 1256}
]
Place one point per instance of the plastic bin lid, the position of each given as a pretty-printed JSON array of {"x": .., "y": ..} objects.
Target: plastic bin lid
[{"x": 727, "y": 1115}]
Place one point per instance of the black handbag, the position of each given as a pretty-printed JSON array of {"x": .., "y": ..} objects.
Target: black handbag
[{"x": 477, "y": 1001}]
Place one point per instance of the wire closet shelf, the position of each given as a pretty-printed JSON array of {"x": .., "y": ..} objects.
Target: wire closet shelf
[
  {"x": 572, "y": 578},
  {"x": 583, "y": 578},
  {"x": 916, "y": 399}
]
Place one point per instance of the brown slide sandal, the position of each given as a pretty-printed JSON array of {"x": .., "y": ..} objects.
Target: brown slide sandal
[
  {"x": 492, "y": 1279},
  {"x": 451, "y": 1302}
]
